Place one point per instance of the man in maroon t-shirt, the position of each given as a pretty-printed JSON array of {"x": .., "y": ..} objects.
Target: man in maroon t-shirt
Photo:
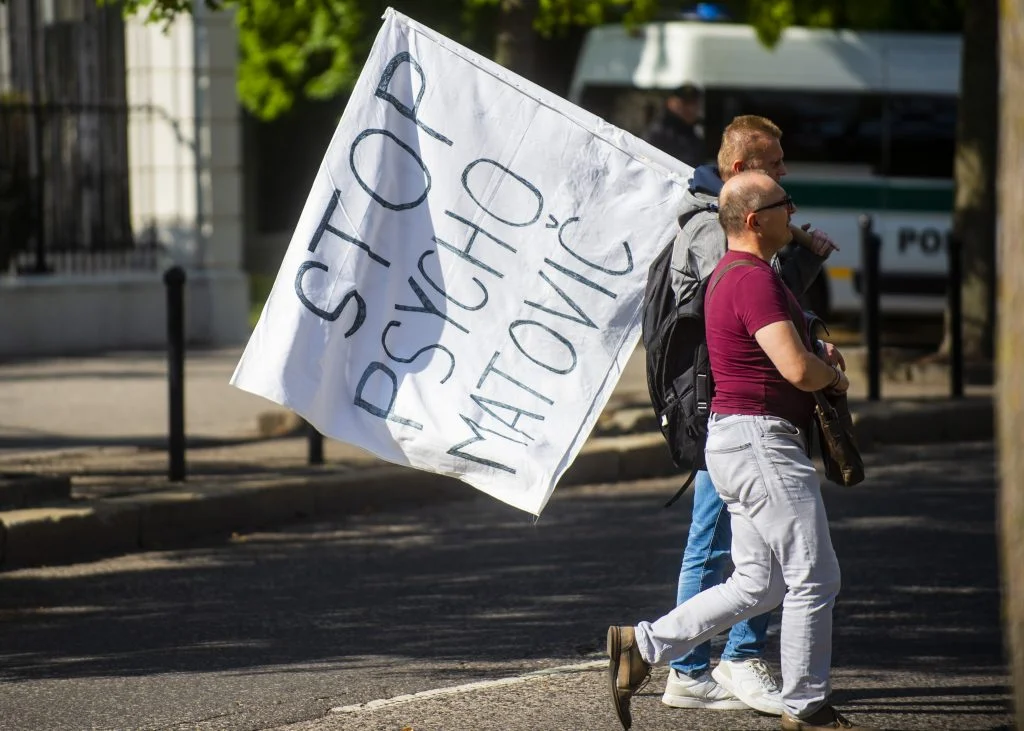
[{"x": 757, "y": 456}]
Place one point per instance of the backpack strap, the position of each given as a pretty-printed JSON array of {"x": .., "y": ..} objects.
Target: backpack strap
[
  {"x": 688, "y": 216},
  {"x": 681, "y": 490}
]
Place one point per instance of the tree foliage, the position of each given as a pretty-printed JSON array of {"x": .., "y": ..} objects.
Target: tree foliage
[
  {"x": 771, "y": 17},
  {"x": 309, "y": 48},
  {"x": 552, "y": 17},
  {"x": 315, "y": 48}
]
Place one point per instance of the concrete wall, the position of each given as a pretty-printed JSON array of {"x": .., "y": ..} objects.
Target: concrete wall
[{"x": 67, "y": 315}]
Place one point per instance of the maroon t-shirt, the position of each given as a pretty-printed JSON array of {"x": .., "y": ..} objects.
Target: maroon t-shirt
[{"x": 746, "y": 299}]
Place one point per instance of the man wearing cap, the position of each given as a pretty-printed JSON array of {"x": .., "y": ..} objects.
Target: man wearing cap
[{"x": 675, "y": 131}]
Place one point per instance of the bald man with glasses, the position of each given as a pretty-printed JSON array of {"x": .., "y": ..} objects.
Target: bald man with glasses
[
  {"x": 742, "y": 679},
  {"x": 757, "y": 453}
]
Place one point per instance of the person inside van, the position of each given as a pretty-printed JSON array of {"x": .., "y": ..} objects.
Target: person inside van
[{"x": 676, "y": 131}]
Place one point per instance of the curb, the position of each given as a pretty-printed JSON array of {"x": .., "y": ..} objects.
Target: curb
[
  {"x": 183, "y": 516},
  {"x": 26, "y": 489},
  {"x": 923, "y": 422}
]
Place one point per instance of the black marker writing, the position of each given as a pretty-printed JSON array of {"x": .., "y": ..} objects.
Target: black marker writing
[
  {"x": 377, "y": 161},
  {"x": 387, "y": 412},
  {"x": 488, "y": 176},
  {"x": 334, "y": 314},
  {"x": 614, "y": 272},
  {"x": 409, "y": 112}
]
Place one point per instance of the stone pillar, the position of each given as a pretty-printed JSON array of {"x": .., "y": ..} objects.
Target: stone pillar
[{"x": 184, "y": 149}]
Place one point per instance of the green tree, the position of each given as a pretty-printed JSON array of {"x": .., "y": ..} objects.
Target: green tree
[
  {"x": 315, "y": 49},
  {"x": 974, "y": 214},
  {"x": 311, "y": 49},
  {"x": 771, "y": 17},
  {"x": 1010, "y": 415}
]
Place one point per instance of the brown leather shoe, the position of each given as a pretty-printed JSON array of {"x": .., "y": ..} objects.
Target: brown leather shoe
[
  {"x": 627, "y": 671},
  {"x": 825, "y": 717}
]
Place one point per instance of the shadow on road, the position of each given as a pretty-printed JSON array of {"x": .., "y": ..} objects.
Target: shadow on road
[{"x": 476, "y": 580}]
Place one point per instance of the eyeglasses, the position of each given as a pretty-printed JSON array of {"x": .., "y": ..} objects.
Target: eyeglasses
[{"x": 787, "y": 202}]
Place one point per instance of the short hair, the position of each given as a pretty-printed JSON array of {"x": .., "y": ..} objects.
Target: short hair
[
  {"x": 745, "y": 138},
  {"x": 740, "y": 199}
]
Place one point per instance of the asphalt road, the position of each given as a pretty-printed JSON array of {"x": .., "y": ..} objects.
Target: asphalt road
[{"x": 460, "y": 602}]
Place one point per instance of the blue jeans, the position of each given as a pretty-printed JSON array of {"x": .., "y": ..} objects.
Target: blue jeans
[{"x": 706, "y": 560}]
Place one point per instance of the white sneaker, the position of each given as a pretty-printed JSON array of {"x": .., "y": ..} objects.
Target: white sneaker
[
  {"x": 752, "y": 682},
  {"x": 682, "y": 691}
]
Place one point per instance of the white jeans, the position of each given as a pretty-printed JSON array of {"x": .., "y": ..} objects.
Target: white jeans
[{"x": 782, "y": 552}]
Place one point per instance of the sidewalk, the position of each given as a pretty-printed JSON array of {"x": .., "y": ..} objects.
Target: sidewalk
[{"x": 87, "y": 436}]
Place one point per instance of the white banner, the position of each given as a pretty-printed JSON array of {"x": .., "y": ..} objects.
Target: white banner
[{"x": 466, "y": 279}]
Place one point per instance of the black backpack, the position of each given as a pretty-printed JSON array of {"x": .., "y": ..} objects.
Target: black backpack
[{"x": 678, "y": 369}]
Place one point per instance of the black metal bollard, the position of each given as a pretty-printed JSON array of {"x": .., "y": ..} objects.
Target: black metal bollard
[
  {"x": 315, "y": 444},
  {"x": 870, "y": 255},
  {"x": 174, "y": 280},
  {"x": 956, "y": 317}
]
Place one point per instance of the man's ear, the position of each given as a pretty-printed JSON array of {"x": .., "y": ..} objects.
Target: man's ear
[{"x": 737, "y": 167}]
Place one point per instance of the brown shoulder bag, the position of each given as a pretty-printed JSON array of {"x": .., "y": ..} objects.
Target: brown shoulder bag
[
  {"x": 833, "y": 422},
  {"x": 839, "y": 451}
]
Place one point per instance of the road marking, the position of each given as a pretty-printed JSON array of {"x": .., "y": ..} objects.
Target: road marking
[{"x": 470, "y": 687}]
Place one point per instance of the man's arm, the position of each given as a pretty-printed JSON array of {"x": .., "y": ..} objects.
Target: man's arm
[
  {"x": 801, "y": 261},
  {"x": 700, "y": 245},
  {"x": 798, "y": 267},
  {"x": 795, "y": 363}
]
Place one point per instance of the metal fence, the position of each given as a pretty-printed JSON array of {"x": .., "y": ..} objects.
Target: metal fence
[{"x": 65, "y": 201}]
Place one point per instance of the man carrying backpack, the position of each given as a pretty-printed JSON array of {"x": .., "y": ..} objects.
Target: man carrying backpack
[{"x": 741, "y": 679}]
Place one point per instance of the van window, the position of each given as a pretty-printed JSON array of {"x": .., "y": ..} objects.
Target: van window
[
  {"x": 899, "y": 136},
  {"x": 816, "y": 127},
  {"x": 922, "y": 137},
  {"x": 910, "y": 135}
]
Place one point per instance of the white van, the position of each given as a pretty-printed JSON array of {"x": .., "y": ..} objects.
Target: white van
[{"x": 868, "y": 121}]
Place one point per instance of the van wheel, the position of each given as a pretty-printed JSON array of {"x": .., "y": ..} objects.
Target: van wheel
[{"x": 816, "y": 298}]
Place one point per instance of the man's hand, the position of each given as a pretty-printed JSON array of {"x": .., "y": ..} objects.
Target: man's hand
[
  {"x": 817, "y": 241},
  {"x": 831, "y": 354}
]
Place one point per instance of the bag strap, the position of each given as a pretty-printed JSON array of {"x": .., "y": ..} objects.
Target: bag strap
[
  {"x": 823, "y": 402},
  {"x": 681, "y": 490},
  {"x": 796, "y": 317},
  {"x": 718, "y": 278}
]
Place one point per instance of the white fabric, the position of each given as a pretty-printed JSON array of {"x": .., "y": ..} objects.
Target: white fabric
[
  {"x": 465, "y": 282},
  {"x": 782, "y": 553}
]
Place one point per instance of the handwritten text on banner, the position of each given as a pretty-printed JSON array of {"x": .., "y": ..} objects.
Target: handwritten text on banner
[{"x": 465, "y": 281}]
